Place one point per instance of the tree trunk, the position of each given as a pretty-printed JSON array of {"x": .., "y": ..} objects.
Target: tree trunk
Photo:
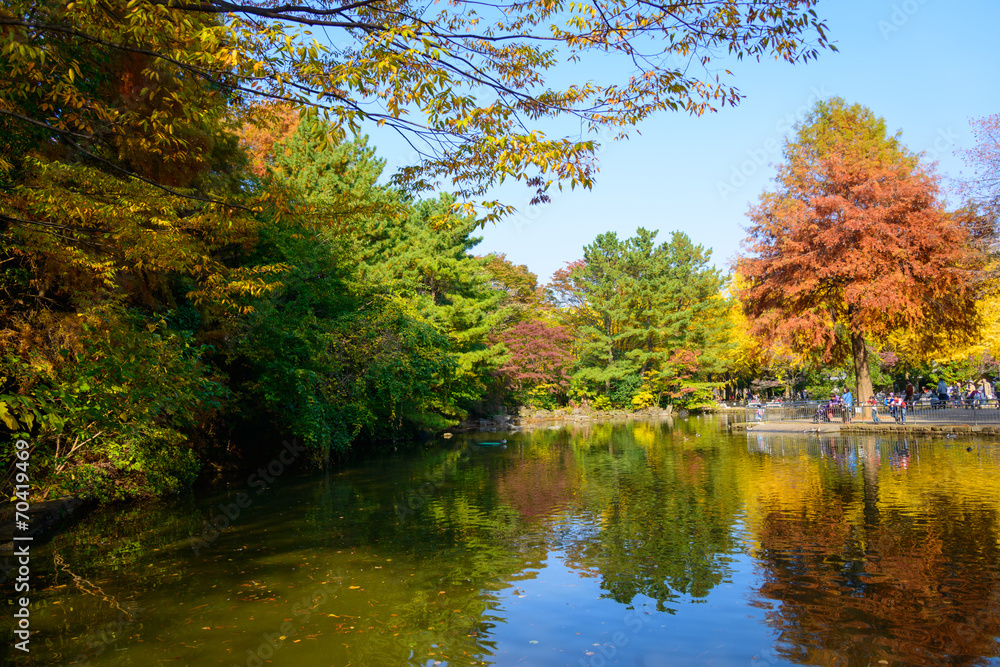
[
  {"x": 611, "y": 355},
  {"x": 611, "y": 361},
  {"x": 649, "y": 348},
  {"x": 862, "y": 374}
]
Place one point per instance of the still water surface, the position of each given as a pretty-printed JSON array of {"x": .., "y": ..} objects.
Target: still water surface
[{"x": 643, "y": 544}]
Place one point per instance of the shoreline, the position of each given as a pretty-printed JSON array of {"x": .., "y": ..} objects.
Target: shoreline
[
  {"x": 530, "y": 419},
  {"x": 854, "y": 428}
]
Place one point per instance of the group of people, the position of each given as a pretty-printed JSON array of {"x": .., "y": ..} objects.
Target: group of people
[
  {"x": 973, "y": 395},
  {"x": 843, "y": 402},
  {"x": 895, "y": 405}
]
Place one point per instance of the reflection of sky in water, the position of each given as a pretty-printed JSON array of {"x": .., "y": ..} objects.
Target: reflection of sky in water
[{"x": 551, "y": 621}]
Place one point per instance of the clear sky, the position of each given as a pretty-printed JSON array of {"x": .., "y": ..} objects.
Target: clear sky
[{"x": 926, "y": 66}]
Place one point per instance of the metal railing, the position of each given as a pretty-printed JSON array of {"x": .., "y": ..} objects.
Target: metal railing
[
  {"x": 792, "y": 411},
  {"x": 920, "y": 412}
]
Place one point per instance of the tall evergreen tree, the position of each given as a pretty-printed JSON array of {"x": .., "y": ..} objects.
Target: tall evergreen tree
[
  {"x": 330, "y": 354},
  {"x": 676, "y": 299},
  {"x": 599, "y": 292},
  {"x": 425, "y": 258},
  {"x": 636, "y": 303}
]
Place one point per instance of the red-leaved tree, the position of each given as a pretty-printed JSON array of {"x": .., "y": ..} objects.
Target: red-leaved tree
[
  {"x": 855, "y": 243},
  {"x": 540, "y": 354}
]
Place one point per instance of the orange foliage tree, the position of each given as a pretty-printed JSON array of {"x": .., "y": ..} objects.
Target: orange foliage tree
[{"x": 855, "y": 243}]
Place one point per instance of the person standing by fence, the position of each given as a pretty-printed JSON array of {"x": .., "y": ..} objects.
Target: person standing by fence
[
  {"x": 874, "y": 405},
  {"x": 848, "y": 400}
]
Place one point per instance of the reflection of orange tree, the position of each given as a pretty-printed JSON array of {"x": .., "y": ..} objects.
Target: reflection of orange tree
[{"x": 896, "y": 589}]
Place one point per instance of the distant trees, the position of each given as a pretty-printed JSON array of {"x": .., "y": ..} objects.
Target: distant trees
[
  {"x": 538, "y": 350},
  {"x": 635, "y": 304},
  {"x": 853, "y": 244},
  {"x": 523, "y": 294},
  {"x": 983, "y": 187}
]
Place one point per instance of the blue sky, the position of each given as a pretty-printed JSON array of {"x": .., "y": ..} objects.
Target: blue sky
[{"x": 926, "y": 66}]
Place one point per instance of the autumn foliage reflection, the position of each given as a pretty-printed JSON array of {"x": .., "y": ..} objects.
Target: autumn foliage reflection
[{"x": 852, "y": 581}]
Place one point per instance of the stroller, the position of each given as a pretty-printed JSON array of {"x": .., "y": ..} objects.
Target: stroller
[{"x": 822, "y": 413}]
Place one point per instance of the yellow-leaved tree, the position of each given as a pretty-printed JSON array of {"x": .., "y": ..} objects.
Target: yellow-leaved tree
[{"x": 468, "y": 84}]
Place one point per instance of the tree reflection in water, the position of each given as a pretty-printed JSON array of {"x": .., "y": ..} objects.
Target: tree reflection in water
[
  {"x": 634, "y": 543},
  {"x": 901, "y": 576}
]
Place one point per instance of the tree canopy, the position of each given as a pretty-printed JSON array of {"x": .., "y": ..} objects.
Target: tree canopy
[
  {"x": 855, "y": 243},
  {"x": 467, "y": 84},
  {"x": 636, "y": 305}
]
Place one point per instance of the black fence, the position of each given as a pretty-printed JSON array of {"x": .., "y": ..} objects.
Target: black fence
[{"x": 920, "y": 412}]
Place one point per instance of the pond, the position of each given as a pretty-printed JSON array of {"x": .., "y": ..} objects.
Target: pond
[{"x": 642, "y": 543}]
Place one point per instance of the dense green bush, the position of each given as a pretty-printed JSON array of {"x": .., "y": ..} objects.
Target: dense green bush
[{"x": 108, "y": 404}]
